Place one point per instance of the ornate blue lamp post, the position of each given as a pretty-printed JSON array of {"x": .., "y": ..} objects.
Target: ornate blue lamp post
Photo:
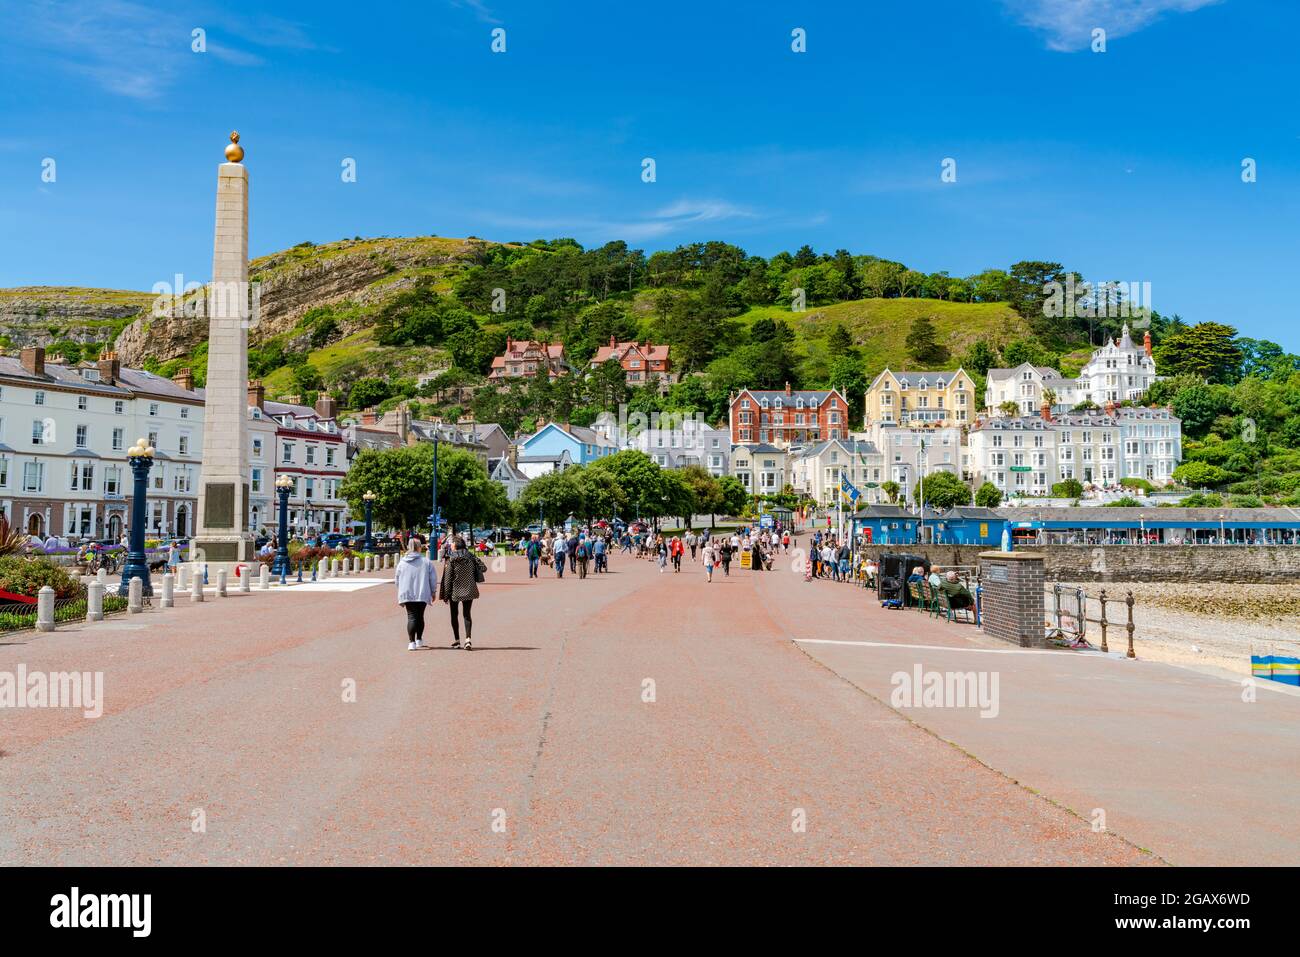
[
  {"x": 433, "y": 516},
  {"x": 283, "y": 486},
  {"x": 368, "y": 543},
  {"x": 140, "y": 456}
]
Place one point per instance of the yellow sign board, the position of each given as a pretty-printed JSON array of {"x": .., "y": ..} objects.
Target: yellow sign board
[
  {"x": 747, "y": 558},
  {"x": 984, "y": 529}
]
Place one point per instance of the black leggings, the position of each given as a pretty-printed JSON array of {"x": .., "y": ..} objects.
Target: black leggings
[
  {"x": 455, "y": 622},
  {"x": 414, "y": 620}
]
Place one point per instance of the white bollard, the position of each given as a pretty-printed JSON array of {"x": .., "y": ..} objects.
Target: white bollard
[
  {"x": 45, "y": 609},
  {"x": 102, "y": 576},
  {"x": 322, "y": 570},
  {"x": 245, "y": 578},
  {"x": 335, "y": 565},
  {"x": 135, "y": 596},
  {"x": 264, "y": 578},
  {"x": 370, "y": 563},
  {"x": 221, "y": 583},
  {"x": 168, "y": 599},
  {"x": 94, "y": 602},
  {"x": 196, "y": 586},
  {"x": 183, "y": 578}
]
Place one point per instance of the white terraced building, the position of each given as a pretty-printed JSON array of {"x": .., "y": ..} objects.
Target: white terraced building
[
  {"x": 1027, "y": 455},
  {"x": 64, "y": 434}
]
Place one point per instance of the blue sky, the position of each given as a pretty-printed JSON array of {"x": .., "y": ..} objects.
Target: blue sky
[{"x": 1122, "y": 165}]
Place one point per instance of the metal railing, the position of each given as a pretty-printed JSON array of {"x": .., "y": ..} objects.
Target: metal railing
[
  {"x": 19, "y": 616},
  {"x": 1070, "y": 614}
]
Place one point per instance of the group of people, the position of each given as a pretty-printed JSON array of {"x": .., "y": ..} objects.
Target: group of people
[
  {"x": 419, "y": 585},
  {"x": 949, "y": 583},
  {"x": 578, "y": 549},
  {"x": 714, "y": 551}
]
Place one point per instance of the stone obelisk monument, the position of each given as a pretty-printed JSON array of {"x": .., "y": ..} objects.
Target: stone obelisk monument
[{"x": 221, "y": 537}]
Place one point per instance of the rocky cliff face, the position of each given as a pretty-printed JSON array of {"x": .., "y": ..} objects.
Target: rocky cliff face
[
  {"x": 41, "y": 315},
  {"x": 288, "y": 284}
]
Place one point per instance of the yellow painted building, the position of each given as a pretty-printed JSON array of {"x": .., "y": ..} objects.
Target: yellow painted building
[{"x": 942, "y": 398}]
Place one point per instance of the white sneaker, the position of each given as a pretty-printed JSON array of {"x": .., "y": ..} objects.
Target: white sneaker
[
  {"x": 419, "y": 643},
  {"x": 410, "y": 646}
]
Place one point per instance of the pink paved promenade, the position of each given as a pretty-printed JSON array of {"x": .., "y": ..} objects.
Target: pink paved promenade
[{"x": 539, "y": 746}]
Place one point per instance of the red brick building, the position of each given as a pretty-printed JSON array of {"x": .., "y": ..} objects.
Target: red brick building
[
  {"x": 640, "y": 360},
  {"x": 525, "y": 359},
  {"x": 785, "y": 417}
]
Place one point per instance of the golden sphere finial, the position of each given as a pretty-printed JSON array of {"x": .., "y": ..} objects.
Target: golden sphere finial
[{"x": 234, "y": 152}]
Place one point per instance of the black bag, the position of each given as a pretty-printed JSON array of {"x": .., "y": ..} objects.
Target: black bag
[{"x": 480, "y": 570}]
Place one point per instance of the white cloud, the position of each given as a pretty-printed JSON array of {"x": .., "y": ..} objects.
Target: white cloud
[
  {"x": 134, "y": 50},
  {"x": 1068, "y": 24},
  {"x": 673, "y": 218}
]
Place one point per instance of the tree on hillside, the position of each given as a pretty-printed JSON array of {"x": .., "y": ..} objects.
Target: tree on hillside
[
  {"x": 839, "y": 342},
  {"x": 1206, "y": 349},
  {"x": 846, "y": 375},
  {"x": 923, "y": 342},
  {"x": 1027, "y": 295},
  {"x": 941, "y": 490},
  {"x": 1200, "y": 474},
  {"x": 980, "y": 357}
]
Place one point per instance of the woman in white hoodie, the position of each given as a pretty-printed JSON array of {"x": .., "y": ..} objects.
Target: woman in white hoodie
[{"x": 417, "y": 584}]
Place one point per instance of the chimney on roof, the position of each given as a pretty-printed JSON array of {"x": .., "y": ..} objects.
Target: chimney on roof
[
  {"x": 611, "y": 340},
  {"x": 1146, "y": 343},
  {"x": 327, "y": 407},
  {"x": 109, "y": 367},
  {"x": 403, "y": 424},
  {"x": 256, "y": 391},
  {"x": 185, "y": 379},
  {"x": 33, "y": 359},
  {"x": 787, "y": 388},
  {"x": 513, "y": 455},
  {"x": 370, "y": 416}
]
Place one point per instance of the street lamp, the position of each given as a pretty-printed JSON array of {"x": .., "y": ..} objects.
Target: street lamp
[
  {"x": 368, "y": 543},
  {"x": 433, "y": 516},
  {"x": 283, "y": 486},
  {"x": 140, "y": 456}
]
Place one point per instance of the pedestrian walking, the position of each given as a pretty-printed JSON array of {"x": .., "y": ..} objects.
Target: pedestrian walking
[
  {"x": 692, "y": 543},
  {"x": 582, "y": 554},
  {"x": 417, "y": 583},
  {"x": 560, "y": 547},
  {"x": 460, "y": 580},
  {"x": 724, "y": 553},
  {"x": 534, "y": 552},
  {"x": 677, "y": 548},
  {"x": 710, "y": 555},
  {"x": 661, "y": 553}
]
